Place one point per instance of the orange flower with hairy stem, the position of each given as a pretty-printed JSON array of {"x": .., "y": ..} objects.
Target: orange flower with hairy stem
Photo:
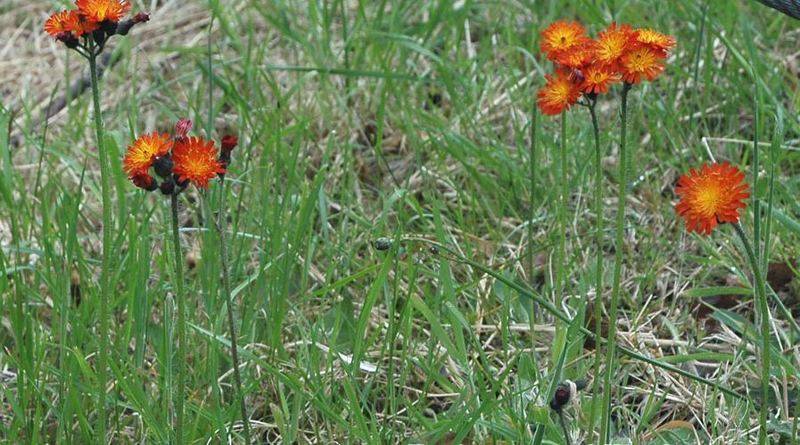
[
  {"x": 144, "y": 151},
  {"x": 642, "y": 62},
  {"x": 597, "y": 79},
  {"x": 654, "y": 39},
  {"x": 103, "y": 10},
  {"x": 559, "y": 93},
  {"x": 562, "y": 37},
  {"x": 196, "y": 160},
  {"x": 710, "y": 196},
  {"x": 612, "y": 43}
]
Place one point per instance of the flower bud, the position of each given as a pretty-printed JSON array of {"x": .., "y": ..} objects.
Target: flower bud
[
  {"x": 229, "y": 142},
  {"x": 163, "y": 166},
  {"x": 167, "y": 187},
  {"x": 68, "y": 39},
  {"x": 182, "y": 128},
  {"x": 144, "y": 181},
  {"x": 141, "y": 17},
  {"x": 109, "y": 27}
]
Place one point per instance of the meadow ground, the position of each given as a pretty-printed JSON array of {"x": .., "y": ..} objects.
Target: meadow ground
[{"x": 369, "y": 129}]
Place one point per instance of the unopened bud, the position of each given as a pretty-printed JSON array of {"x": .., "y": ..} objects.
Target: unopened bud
[
  {"x": 182, "y": 128},
  {"x": 68, "y": 39},
  {"x": 144, "y": 181},
  {"x": 167, "y": 187},
  {"x": 163, "y": 166},
  {"x": 141, "y": 17},
  {"x": 229, "y": 142}
]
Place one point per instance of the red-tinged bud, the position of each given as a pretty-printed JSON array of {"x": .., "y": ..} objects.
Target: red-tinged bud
[
  {"x": 141, "y": 17},
  {"x": 229, "y": 142},
  {"x": 68, "y": 39},
  {"x": 182, "y": 128},
  {"x": 144, "y": 181}
]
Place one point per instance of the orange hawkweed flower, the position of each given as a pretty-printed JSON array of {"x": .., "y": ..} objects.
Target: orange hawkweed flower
[
  {"x": 641, "y": 62},
  {"x": 578, "y": 57},
  {"x": 597, "y": 79},
  {"x": 144, "y": 151},
  {"x": 654, "y": 39},
  {"x": 196, "y": 160},
  {"x": 710, "y": 196},
  {"x": 57, "y": 23},
  {"x": 612, "y": 43},
  {"x": 70, "y": 22},
  {"x": 99, "y": 11},
  {"x": 562, "y": 37},
  {"x": 559, "y": 93}
]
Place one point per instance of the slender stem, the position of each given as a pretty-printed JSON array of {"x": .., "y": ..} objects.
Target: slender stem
[
  {"x": 105, "y": 271},
  {"x": 763, "y": 313},
  {"x": 598, "y": 215},
  {"x": 226, "y": 289},
  {"x": 622, "y": 183},
  {"x": 180, "y": 298},
  {"x": 562, "y": 214},
  {"x": 564, "y": 427}
]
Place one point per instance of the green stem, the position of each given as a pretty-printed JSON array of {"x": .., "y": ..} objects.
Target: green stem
[
  {"x": 180, "y": 298},
  {"x": 763, "y": 313},
  {"x": 622, "y": 183},
  {"x": 598, "y": 214},
  {"x": 226, "y": 288},
  {"x": 105, "y": 271},
  {"x": 560, "y": 284}
]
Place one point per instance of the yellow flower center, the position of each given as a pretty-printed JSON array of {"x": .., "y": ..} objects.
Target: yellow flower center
[{"x": 709, "y": 198}]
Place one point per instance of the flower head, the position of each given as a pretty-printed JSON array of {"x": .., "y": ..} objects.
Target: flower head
[
  {"x": 559, "y": 93},
  {"x": 710, "y": 196},
  {"x": 99, "y": 11},
  {"x": 57, "y": 23},
  {"x": 562, "y": 37},
  {"x": 578, "y": 57},
  {"x": 196, "y": 161},
  {"x": 229, "y": 142},
  {"x": 612, "y": 43},
  {"x": 641, "y": 62},
  {"x": 597, "y": 79},
  {"x": 144, "y": 151},
  {"x": 653, "y": 39},
  {"x": 183, "y": 127}
]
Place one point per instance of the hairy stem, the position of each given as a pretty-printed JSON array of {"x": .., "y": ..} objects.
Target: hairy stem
[
  {"x": 226, "y": 289},
  {"x": 598, "y": 214},
  {"x": 105, "y": 271},
  {"x": 622, "y": 183},
  {"x": 180, "y": 298},
  {"x": 763, "y": 314},
  {"x": 561, "y": 216}
]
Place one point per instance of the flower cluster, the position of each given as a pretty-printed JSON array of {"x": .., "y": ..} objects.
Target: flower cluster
[
  {"x": 177, "y": 159},
  {"x": 712, "y": 195},
  {"x": 99, "y": 19},
  {"x": 590, "y": 66}
]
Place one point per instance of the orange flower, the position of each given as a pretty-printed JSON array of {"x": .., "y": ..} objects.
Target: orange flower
[
  {"x": 654, "y": 39},
  {"x": 641, "y": 62},
  {"x": 143, "y": 152},
  {"x": 578, "y": 57},
  {"x": 196, "y": 161},
  {"x": 69, "y": 21},
  {"x": 612, "y": 43},
  {"x": 57, "y": 23},
  {"x": 562, "y": 37},
  {"x": 99, "y": 11},
  {"x": 559, "y": 93},
  {"x": 597, "y": 79},
  {"x": 711, "y": 196}
]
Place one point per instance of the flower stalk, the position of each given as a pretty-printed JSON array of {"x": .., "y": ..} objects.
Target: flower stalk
[
  {"x": 763, "y": 314},
  {"x": 226, "y": 289},
  {"x": 622, "y": 183},
  {"x": 599, "y": 221},
  {"x": 180, "y": 298},
  {"x": 105, "y": 270}
]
